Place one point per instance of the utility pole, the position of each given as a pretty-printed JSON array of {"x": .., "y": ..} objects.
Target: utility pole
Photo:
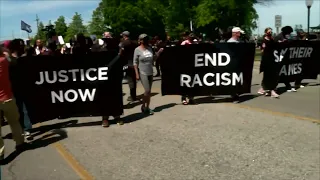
[
  {"x": 12, "y": 34},
  {"x": 258, "y": 26},
  {"x": 37, "y": 20}
]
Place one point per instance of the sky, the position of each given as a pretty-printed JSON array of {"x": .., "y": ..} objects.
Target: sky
[{"x": 13, "y": 11}]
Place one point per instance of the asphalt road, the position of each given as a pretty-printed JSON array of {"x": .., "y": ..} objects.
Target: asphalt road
[{"x": 260, "y": 138}]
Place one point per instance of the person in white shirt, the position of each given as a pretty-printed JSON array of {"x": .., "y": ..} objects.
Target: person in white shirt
[{"x": 236, "y": 33}]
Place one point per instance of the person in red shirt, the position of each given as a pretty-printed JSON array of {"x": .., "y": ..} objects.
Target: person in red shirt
[{"x": 8, "y": 105}]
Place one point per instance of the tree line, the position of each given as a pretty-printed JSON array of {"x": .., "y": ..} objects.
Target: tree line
[
  {"x": 62, "y": 29},
  {"x": 161, "y": 18}
]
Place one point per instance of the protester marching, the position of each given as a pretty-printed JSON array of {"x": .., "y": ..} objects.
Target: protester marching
[
  {"x": 195, "y": 69},
  {"x": 81, "y": 75}
]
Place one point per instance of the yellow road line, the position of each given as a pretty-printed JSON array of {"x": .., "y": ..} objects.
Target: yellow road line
[
  {"x": 85, "y": 175},
  {"x": 275, "y": 113},
  {"x": 72, "y": 162}
]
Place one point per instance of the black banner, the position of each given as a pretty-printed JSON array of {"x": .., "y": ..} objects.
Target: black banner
[
  {"x": 293, "y": 60},
  {"x": 70, "y": 85},
  {"x": 204, "y": 69}
]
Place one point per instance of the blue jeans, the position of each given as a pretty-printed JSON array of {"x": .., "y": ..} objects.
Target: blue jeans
[{"x": 24, "y": 117}]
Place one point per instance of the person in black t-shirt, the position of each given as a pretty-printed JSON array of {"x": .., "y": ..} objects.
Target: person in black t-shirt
[{"x": 270, "y": 78}]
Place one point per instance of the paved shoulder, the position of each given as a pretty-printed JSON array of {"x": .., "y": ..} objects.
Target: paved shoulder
[
  {"x": 40, "y": 162},
  {"x": 206, "y": 141}
]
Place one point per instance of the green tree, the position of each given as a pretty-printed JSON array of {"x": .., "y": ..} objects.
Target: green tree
[
  {"x": 75, "y": 27},
  {"x": 41, "y": 34},
  {"x": 224, "y": 13},
  {"x": 61, "y": 26},
  {"x": 96, "y": 25},
  {"x": 179, "y": 13},
  {"x": 136, "y": 16},
  {"x": 174, "y": 16}
]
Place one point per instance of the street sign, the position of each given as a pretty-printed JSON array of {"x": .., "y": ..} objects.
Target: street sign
[{"x": 278, "y": 19}]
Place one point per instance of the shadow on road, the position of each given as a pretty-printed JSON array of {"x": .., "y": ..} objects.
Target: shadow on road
[
  {"x": 242, "y": 98},
  {"x": 48, "y": 138},
  {"x": 281, "y": 90},
  {"x": 127, "y": 119},
  {"x": 138, "y": 116},
  {"x": 37, "y": 131},
  {"x": 46, "y": 128},
  {"x": 138, "y": 102}
]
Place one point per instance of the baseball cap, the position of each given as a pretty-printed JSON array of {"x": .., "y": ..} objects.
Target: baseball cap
[
  {"x": 237, "y": 29},
  {"x": 142, "y": 36},
  {"x": 125, "y": 33}
]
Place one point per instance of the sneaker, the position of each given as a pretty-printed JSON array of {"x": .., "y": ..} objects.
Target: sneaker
[
  {"x": 28, "y": 135},
  {"x": 184, "y": 102},
  {"x": 293, "y": 90},
  {"x": 120, "y": 121},
  {"x": 289, "y": 90},
  {"x": 151, "y": 112},
  {"x": 105, "y": 123},
  {"x": 301, "y": 86}
]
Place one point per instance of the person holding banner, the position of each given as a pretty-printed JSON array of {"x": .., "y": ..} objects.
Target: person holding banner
[
  {"x": 236, "y": 34},
  {"x": 264, "y": 90},
  {"x": 285, "y": 36},
  {"x": 189, "y": 40},
  {"x": 143, "y": 65}
]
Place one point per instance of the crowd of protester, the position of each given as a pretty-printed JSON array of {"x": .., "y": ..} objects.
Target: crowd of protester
[{"x": 138, "y": 54}]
